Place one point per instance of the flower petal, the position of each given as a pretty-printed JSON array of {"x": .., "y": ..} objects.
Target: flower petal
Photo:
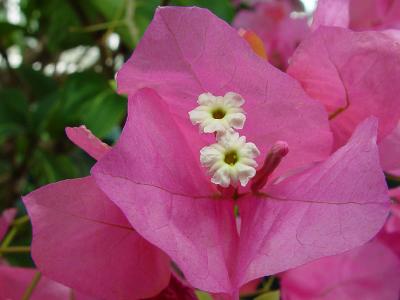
[
  {"x": 323, "y": 211},
  {"x": 368, "y": 272},
  {"x": 374, "y": 14},
  {"x": 331, "y": 13},
  {"x": 78, "y": 230},
  {"x": 84, "y": 139},
  {"x": 6, "y": 219},
  {"x": 153, "y": 177},
  {"x": 14, "y": 281},
  {"x": 352, "y": 74}
]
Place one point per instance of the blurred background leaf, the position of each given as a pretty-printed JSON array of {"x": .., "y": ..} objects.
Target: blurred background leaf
[{"x": 275, "y": 295}]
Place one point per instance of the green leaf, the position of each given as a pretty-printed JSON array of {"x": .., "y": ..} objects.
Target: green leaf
[
  {"x": 274, "y": 295},
  {"x": 203, "y": 295},
  {"x": 14, "y": 111},
  {"x": 61, "y": 22},
  {"x": 104, "y": 112},
  {"x": 49, "y": 167},
  {"x": 67, "y": 105},
  {"x": 36, "y": 82},
  {"x": 13, "y": 106},
  {"x": 87, "y": 98},
  {"x": 43, "y": 110},
  {"x": 222, "y": 8},
  {"x": 10, "y": 129},
  {"x": 115, "y": 12},
  {"x": 9, "y": 34},
  {"x": 109, "y": 8},
  {"x": 127, "y": 18}
]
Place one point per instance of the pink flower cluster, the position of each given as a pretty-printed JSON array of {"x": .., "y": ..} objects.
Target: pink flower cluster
[{"x": 149, "y": 223}]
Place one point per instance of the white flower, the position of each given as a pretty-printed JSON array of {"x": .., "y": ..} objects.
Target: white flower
[
  {"x": 218, "y": 113},
  {"x": 230, "y": 160}
]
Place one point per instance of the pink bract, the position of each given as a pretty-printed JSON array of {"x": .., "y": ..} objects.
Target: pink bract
[
  {"x": 374, "y": 14},
  {"x": 78, "y": 230},
  {"x": 84, "y": 139},
  {"x": 6, "y": 219},
  {"x": 370, "y": 272},
  {"x": 322, "y": 83},
  {"x": 352, "y": 74},
  {"x": 358, "y": 15},
  {"x": 331, "y": 13},
  {"x": 320, "y": 212},
  {"x": 317, "y": 213},
  {"x": 153, "y": 173},
  {"x": 197, "y": 52},
  {"x": 74, "y": 220},
  {"x": 14, "y": 282}
]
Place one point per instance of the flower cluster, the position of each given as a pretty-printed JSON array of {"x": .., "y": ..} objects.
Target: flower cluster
[
  {"x": 231, "y": 159},
  {"x": 148, "y": 208}
]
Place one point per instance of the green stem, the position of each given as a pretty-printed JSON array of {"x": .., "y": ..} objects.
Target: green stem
[
  {"x": 30, "y": 289},
  {"x": 15, "y": 249},
  {"x": 13, "y": 231},
  {"x": 98, "y": 27},
  {"x": 129, "y": 20},
  {"x": 268, "y": 284},
  {"x": 9, "y": 237},
  {"x": 21, "y": 220}
]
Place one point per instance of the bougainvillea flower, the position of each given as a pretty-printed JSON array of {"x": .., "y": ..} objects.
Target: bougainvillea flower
[
  {"x": 5, "y": 220},
  {"x": 14, "y": 282},
  {"x": 369, "y": 272},
  {"x": 374, "y": 14},
  {"x": 352, "y": 74},
  {"x": 87, "y": 141},
  {"x": 327, "y": 85},
  {"x": 280, "y": 32},
  {"x": 331, "y": 13},
  {"x": 78, "y": 230},
  {"x": 358, "y": 15},
  {"x": 154, "y": 174}
]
